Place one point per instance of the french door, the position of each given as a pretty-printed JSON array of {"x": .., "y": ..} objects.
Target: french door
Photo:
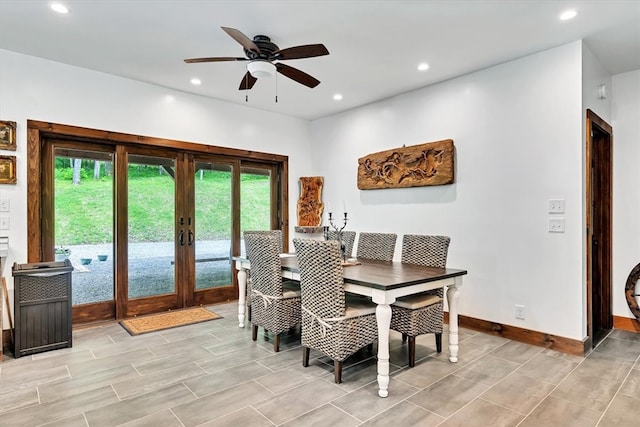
[
  {"x": 147, "y": 260},
  {"x": 210, "y": 226},
  {"x": 150, "y": 229}
]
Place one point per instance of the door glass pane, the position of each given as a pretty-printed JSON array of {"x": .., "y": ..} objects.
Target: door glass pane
[
  {"x": 83, "y": 212},
  {"x": 213, "y": 220},
  {"x": 255, "y": 201},
  {"x": 151, "y": 212}
]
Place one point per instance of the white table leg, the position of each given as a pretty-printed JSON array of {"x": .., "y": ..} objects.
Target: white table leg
[
  {"x": 242, "y": 295},
  {"x": 453, "y": 294},
  {"x": 383, "y": 317}
]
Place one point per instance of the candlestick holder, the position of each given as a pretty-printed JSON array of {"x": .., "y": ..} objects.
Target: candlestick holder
[{"x": 338, "y": 229}]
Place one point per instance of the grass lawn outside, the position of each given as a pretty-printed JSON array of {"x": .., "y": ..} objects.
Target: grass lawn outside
[{"x": 84, "y": 225}]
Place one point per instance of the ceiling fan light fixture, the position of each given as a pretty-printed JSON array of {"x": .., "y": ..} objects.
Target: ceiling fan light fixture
[{"x": 261, "y": 69}]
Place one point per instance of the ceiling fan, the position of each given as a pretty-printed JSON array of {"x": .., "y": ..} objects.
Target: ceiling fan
[{"x": 261, "y": 53}]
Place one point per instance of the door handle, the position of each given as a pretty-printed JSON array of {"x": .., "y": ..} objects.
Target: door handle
[
  {"x": 181, "y": 238},
  {"x": 190, "y": 237}
]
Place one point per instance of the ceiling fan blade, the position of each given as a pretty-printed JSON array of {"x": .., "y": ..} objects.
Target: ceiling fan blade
[
  {"x": 247, "y": 82},
  {"x": 238, "y": 36},
  {"x": 297, "y": 75},
  {"x": 215, "y": 59},
  {"x": 298, "y": 52}
]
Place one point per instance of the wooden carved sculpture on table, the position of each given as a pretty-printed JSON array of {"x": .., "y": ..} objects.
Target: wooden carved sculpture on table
[{"x": 310, "y": 204}]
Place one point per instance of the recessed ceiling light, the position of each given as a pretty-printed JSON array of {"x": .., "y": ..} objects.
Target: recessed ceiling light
[
  {"x": 568, "y": 14},
  {"x": 59, "y": 7},
  {"x": 196, "y": 82},
  {"x": 337, "y": 97},
  {"x": 423, "y": 67}
]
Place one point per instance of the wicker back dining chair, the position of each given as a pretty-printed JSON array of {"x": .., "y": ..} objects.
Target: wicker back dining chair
[
  {"x": 332, "y": 323},
  {"x": 275, "y": 304},
  {"x": 422, "y": 313},
  {"x": 348, "y": 237},
  {"x": 377, "y": 246},
  {"x": 275, "y": 233}
]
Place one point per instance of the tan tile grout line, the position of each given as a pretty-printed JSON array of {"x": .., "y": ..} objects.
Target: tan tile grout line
[
  {"x": 436, "y": 381},
  {"x": 551, "y": 391},
  {"x": 505, "y": 377},
  {"x": 490, "y": 387},
  {"x": 573, "y": 370},
  {"x": 619, "y": 387}
]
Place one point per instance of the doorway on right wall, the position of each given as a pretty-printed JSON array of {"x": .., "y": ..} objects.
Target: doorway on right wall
[{"x": 599, "y": 167}]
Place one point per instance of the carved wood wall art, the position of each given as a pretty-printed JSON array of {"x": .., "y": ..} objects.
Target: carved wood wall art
[
  {"x": 414, "y": 166},
  {"x": 310, "y": 204}
]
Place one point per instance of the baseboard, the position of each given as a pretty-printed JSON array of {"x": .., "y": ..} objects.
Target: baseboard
[
  {"x": 541, "y": 339},
  {"x": 626, "y": 324}
]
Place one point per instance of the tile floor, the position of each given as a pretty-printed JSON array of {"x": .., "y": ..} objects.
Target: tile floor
[{"x": 212, "y": 374}]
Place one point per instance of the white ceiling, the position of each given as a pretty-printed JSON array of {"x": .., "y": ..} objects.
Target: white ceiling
[{"x": 375, "y": 46}]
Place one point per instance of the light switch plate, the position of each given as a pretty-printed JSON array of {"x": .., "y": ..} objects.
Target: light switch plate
[
  {"x": 556, "y": 225},
  {"x": 4, "y": 205},
  {"x": 556, "y": 206},
  {"x": 4, "y": 223}
]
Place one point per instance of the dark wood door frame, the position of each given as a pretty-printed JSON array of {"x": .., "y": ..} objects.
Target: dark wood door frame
[
  {"x": 599, "y": 260},
  {"x": 40, "y": 245}
]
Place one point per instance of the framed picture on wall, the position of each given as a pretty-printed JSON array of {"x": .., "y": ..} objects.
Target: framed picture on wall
[
  {"x": 8, "y": 169},
  {"x": 7, "y": 135}
]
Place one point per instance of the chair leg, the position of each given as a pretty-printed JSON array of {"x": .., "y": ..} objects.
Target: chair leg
[
  {"x": 249, "y": 313},
  {"x": 276, "y": 343},
  {"x": 254, "y": 332},
  {"x": 412, "y": 352},
  {"x": 439, "y": 342},
  {"x": 305, "y": 356},
  {"x": 404, "y": 338},
  {"x": 337, "y": 368}
]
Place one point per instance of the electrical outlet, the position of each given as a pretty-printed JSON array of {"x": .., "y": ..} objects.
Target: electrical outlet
[
  {"x": 4, "y": 205},
  {"x": 4, "y": 223},
  {"x": 556, "y": 206},
  {"x": 556, "y": 225},
  {"x": 519, "y": 311}
]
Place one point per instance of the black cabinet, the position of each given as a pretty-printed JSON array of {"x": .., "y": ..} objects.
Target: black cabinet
[{"x": 42, "y": 306}]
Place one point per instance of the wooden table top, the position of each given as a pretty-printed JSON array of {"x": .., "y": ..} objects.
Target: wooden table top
[{"x": 385, "y": 275}]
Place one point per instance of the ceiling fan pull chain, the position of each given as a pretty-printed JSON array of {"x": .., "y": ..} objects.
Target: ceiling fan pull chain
[
  {"x": 246, "y": 93},
  {"x": 276, "y": 88}
]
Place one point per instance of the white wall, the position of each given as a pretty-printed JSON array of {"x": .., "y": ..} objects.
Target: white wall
[
  {"x": 33, "y": 88},
  {"x": 594, "y": 74},
  {"x": 517, "y": 128},
  {"x": 621, "y": 109},
  {"x": 626, "y": 183}
]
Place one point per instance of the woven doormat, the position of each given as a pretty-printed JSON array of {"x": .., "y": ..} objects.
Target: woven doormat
[{"x": 172, "y": 319}]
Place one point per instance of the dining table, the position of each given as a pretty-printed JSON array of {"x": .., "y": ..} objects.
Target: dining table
[{"x": 383, "y": 282}]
